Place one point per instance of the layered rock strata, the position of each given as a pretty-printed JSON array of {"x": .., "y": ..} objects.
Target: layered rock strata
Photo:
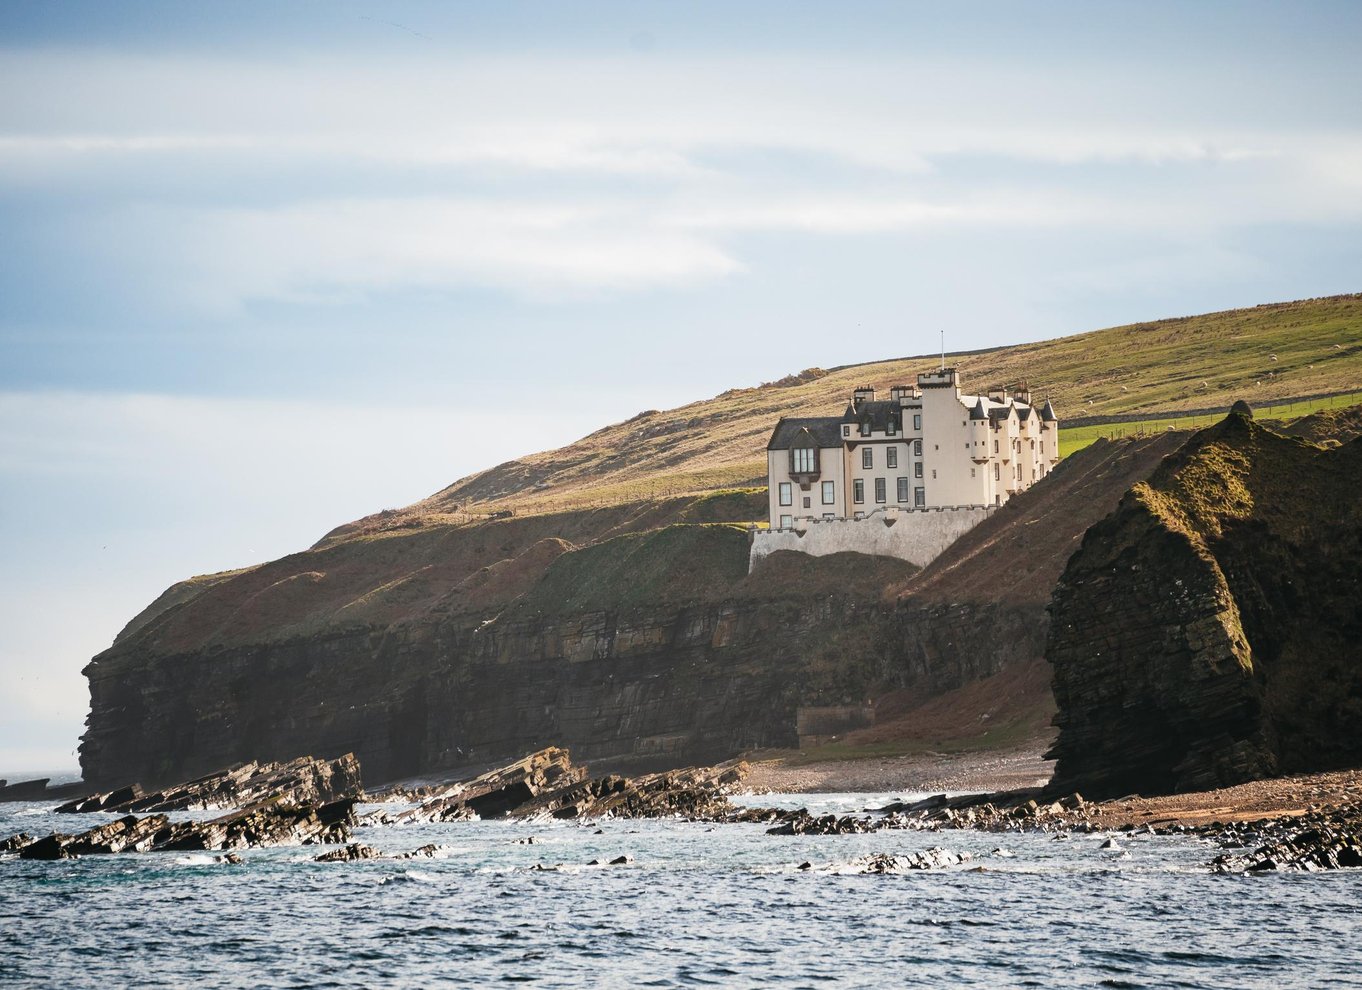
[
  {"x": 547, "y": 784},
  {"x": 273, "y": 823},
  {"x": 305, "y": 780},
  {"x": 424, "y": 647},
  {"x": 1208, "y": 631}
]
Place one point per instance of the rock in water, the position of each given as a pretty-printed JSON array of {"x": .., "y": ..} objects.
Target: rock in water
[
  {"x": 1206, "y": 633},
  {"x": 350, "y": 854},
  {"x": 272, "y": 823},
  {"x": 16, "y": 842},
  {"x": 927, "y": 859},
  {"x": 305, "y": 780},
  {"x": 1320, "y": 840},
  {"x": 547, "y": 783}
]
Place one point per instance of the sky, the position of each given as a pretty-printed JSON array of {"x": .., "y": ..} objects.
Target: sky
[{"x": 271, "y": 267}]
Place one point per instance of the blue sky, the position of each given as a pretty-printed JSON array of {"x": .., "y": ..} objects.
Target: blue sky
[{"x": 269, "y": 267}]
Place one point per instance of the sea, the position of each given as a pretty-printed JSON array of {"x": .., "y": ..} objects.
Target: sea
[{"x": 698, "y": 905}]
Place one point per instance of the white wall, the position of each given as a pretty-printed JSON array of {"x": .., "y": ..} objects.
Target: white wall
[{"x": 917, "y": 536}]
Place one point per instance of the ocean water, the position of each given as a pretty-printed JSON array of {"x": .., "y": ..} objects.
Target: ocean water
[{"x": 700, "y": 905}]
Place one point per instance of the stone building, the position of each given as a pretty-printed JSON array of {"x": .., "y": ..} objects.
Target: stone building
[{"x": 926, "y": 447}]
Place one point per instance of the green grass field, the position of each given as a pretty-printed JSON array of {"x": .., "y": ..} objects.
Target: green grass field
[{"x": 1076, "y": 438}]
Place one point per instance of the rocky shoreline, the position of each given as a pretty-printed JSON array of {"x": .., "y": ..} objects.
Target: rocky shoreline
[{"x": 1305, "y": 823}]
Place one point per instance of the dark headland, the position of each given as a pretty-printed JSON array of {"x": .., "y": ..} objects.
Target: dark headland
[{"x": 1180, "y": 603}]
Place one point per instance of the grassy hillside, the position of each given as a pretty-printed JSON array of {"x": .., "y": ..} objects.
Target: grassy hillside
[{"x": 1261, "y": 354}]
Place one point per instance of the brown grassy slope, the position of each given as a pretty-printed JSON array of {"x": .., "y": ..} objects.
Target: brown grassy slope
[
  {"x": 1328, "y": 424},
  {"x": 373, "y": 577},
  {"x": 1261, "y": 354},
  {"x": 1018, "y": 553}
]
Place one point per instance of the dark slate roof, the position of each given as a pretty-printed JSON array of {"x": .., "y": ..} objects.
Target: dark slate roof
[
  {"x": 1000, "y": 412},
  {"x": 978, "y": 411},
  {"x": 826, "y": 431},
  {"x": 1047, "y": 413},
  {"x": 878, "y": 413},
  {"x": 1023, "y": 413}
]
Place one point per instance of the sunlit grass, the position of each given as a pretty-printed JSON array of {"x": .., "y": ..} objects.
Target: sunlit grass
[{"x": 1074, "y": 439}]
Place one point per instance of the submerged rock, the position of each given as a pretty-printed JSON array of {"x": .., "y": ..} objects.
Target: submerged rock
[
  {"x": 803, "y": 823},
  {"x": 429, "y": 851},
  {"x": 935, "y": 858},
  {"x": 349, "y": 854}
]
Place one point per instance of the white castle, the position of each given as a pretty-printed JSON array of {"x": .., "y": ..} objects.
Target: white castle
[{"x": 930, "y": 462}]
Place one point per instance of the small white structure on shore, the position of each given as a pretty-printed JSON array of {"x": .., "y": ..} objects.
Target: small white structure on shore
[{"x": 906, "y": 476}]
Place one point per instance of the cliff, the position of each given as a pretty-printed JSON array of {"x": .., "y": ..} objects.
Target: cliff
[
  {"x": 631, "y": 636},
  {"x": 591, "y": 596},
  {"x": 1207, "y": 631}
]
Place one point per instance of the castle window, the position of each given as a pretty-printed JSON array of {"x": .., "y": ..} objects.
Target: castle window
[
  {"x": 933, "y": 474},
  {"x": 879, "y": 490},
  {"x": 858, "y": 491},
  {"x": 806, "y": 501},
  {"x": 786, "y": 493},
  {"x": 803, "y": 461},
  {"x": 786, "y": 522},
  {"x": 917, "y": 421},
  {"x": 891, "y": 457},
  {"x": 917, "y": 448},
  {"x": 860, "y": 515},
  {"x": 868, "y": 457},
  {"x": 828, "y": 515},
  {"x": 971, "y": 472},
  {"x": 917, "y": 470},
  {"x": 829, "y": 493},
  {"x": 995, "y": 446},
  {"x": 865, "y": 428},
  {"x": 903, "y": 490},
  {"x": 919, "y": 497},
  {"x": 846, "y": 430},
  {"x": 892, "y": 428},
  {"x": 997, "y": 471}
]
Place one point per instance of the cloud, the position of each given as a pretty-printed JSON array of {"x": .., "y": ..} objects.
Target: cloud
[{"x": 213, "y": 182}]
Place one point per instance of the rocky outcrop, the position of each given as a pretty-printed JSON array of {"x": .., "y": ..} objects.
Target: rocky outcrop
[
  {"x": 1208, "y": 631},
  {"x": 16, "y": 842},
  {"x": 1327, "y": 839},
  {"x": 350, "y": 854},
  {"x": 272, "y": 823},
  {"x": 497, "y": 792},
  {"x": 305, "y": 780},
  {"x": 546, "y": 784}
]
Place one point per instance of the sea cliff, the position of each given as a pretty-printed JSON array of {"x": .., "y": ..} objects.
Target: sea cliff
[{"x": 1207, "y": 632}]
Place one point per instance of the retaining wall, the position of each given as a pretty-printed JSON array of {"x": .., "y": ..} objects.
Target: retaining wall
[{"x": 915, "y": 535}]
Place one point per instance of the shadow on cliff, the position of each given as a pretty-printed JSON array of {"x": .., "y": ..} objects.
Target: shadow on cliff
[{"x": 1207, "y": 632}]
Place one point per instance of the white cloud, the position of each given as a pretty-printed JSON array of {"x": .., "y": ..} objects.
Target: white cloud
[{"x": 619, "y": 174}]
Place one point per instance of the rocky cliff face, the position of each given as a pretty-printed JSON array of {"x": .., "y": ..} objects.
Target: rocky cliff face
[
  {"x": 630, "y": 640},
  {"x": 1207, "y": 632},
  {"x": 683, "y": 662}
]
